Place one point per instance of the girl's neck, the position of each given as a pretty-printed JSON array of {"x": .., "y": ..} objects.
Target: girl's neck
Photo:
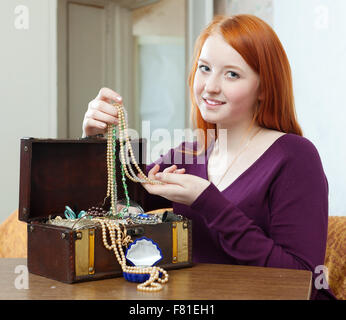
[{"x": 232, "y": 138}]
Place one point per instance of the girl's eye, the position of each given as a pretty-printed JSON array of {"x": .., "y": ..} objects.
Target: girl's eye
[
  {"x": 204, "y": 68},
  {"x": 232, "y": 75}
]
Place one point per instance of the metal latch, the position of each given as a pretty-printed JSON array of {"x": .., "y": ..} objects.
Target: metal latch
[{"x": 137, "y": 231}]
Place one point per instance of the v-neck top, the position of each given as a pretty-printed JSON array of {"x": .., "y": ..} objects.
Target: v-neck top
[
  {"x": 251, "y": 167},
  {"x": 274, "y": 214}
]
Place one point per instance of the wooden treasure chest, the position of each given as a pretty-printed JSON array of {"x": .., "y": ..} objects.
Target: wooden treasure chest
[{"x": 60, "y": 174}]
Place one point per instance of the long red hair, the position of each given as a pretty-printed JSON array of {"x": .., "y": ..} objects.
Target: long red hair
[{"x": 262, "y": 50}]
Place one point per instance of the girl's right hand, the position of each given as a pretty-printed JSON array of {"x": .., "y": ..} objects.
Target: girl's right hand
[{"x": 101, "y": 112}]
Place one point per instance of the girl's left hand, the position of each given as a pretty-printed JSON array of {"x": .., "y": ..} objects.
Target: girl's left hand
[{"x": 177, "y": 187}]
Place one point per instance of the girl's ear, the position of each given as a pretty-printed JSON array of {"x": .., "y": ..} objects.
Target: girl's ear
[
  {"x": 260, "y": 92},
  {"x": 261, "y": 96}
]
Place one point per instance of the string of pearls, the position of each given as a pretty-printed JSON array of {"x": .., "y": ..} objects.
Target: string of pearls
[
  {"x": 119, "y": 239},
  {"x": 124, "y": 139},
  {"x": 126, "y": 165},
  {"x": 117, "y": 236}
]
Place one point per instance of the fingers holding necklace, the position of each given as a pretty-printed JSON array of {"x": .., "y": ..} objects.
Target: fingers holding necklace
[
  {"x": 174, "y": 169},
  {"x": 166, "y": 187}
]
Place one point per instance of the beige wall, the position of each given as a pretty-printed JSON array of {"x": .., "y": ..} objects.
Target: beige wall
[
  {"x": 157, "y": 19},
  {"x": 27, "y": 87},
  {"x": 260, "y": 8}
]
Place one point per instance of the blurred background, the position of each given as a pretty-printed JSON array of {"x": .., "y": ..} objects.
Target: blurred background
[{"x": 57, "y": 54}]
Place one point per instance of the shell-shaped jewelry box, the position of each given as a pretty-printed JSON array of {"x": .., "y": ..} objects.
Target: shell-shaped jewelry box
[{"x": 57, "y": 173}]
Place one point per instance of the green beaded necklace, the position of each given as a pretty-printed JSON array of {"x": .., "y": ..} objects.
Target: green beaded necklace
[{"x": 113, "y": 192}]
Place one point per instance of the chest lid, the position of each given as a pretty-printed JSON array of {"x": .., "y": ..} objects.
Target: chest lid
[{"x": 57, "y": 173}]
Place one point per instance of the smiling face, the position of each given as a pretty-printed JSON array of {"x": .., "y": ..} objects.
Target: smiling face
[{"x": 225, "y": 87}]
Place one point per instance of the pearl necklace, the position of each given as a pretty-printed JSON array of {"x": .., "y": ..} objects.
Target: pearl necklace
[
  {"x": 120, "y": 239},
  {"x": 117, "y": 236},
  {"x": 123, "y": 132},
  {"x": 111, "y": 156}
]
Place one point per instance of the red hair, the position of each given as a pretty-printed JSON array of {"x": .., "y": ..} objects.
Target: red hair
[{"x": 262, "y": 50}]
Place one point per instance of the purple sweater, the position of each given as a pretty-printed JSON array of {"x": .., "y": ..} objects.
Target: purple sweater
[{"x": 275, "y": 214}]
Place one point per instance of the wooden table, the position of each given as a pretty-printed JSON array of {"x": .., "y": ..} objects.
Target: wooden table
[{"x": 201, "y": 282}]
